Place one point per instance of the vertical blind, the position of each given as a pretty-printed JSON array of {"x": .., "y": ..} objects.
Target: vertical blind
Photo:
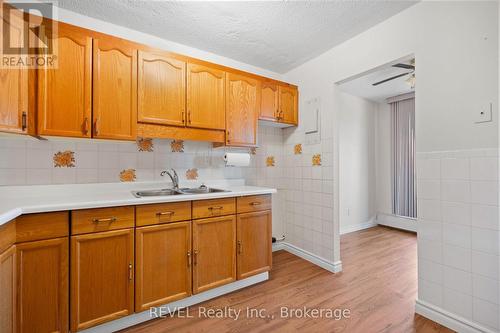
[{"x": 404, "y": 198}]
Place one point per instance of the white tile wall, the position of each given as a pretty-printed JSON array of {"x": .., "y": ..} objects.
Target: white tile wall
[
  {"x": 458, "y": 233},
  {"x": 309, "y": 199}
]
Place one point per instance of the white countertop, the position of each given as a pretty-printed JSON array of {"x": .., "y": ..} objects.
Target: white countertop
[{"x": 17, "y": 200}]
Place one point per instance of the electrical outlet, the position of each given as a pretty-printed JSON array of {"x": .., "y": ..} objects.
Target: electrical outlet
[{"x": 483, "y": 115}]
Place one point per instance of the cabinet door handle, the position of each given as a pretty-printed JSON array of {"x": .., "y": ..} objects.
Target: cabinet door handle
[
  {"x": 130, "y": 273},
  {"x": 189, "y": 258},
  {"x": 85, "y": 126},
  {"x": 228, "y": 136},
  {"x": 189, "y": 116},
  {"x": 96, "y": 127},
  {"x": 23, "y": 121},
  {"x": 183, "y": 116},
  {"x": 106, "y": 220},
  {"x": 165, "y": 213},
  {"x": 240, "y": 247},
  {"x": 195, "y": 257}
]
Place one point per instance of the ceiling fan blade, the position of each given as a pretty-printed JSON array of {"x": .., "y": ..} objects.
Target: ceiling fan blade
[
  {"x": 405, "y": 66},
  {"x": 389, "y": 79}
]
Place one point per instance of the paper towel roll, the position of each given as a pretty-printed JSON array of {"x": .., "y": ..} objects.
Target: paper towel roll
[{"x": 237, "y": 159}]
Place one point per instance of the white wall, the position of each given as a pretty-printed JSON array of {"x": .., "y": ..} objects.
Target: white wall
[
  {"x": 456, "y": 50},
  {"x": 383, "y": 158},
  {"x": 357, "y": 167}
]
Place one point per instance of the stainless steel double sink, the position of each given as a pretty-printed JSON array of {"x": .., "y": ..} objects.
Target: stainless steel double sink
[{"x": 180, "y": 191}]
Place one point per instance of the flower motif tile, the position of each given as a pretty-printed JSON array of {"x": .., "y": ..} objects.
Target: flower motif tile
[
  {"x": 192, "y": 174},
  {"x": 144, "y": 144},
  {"x": 297, "y": 149},
  {"x": 270, "y": 161},
  {"x": 127, "y": 175},
  {"x": 316, "y": 160},
  {"x": 253, "y": 151},
  {"x": 177, "y": 146},
  {"x": 64, "y": 159}
]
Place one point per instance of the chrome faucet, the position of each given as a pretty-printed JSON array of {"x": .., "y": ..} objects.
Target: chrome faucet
[{"x": 173, "y": 176}]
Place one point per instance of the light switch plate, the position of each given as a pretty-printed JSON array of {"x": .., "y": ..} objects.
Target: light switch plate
[{"x": 484, "y": 114}]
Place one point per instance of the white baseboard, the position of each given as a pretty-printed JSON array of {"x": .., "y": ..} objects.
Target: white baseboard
[
  {"x": 278, "y": 246},
  {"x": 141, "y": 317},
  {"x": 398, "y": 222},
  {"x": 333, "y": 267},
  {"x": 356, "y": 227},
  {"x": 448, "y": 319}
]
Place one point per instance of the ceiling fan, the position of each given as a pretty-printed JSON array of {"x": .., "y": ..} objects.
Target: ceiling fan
[{"x": 410, "y": 80}]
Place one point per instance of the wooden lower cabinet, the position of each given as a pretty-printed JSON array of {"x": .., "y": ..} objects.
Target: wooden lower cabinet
[
  {"x": 42, "y": 286},
  {"x": 214, "y": 252},
  {"x": 8, "y": 290},
  {"x": 254, "y": 243},
  {"x": 102, "y": 277},
  {"x": 163, "y": 264}
]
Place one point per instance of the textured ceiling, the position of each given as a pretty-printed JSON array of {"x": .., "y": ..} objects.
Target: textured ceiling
[{"x": 274, "y": 35}]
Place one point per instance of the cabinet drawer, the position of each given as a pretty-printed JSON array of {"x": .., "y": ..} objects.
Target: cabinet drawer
[
  {"x": 254, "y": 203},
  {"x": 32, "y": 227},
  {"x": 214, "y": 207},
  {"x": 101, "y": 219},
  {"x": 163, "y": 213}
]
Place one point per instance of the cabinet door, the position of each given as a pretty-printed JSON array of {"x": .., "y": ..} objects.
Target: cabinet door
[
  {"x": 269, "y": 101},
  {"x": 205, "y": 97},
  {"x": 13, "y": 84},
  {"x": 163, "y": 257},
  {"x": 102, "y": 280},
  {"x": 254, "y": 243},
  {"x": 115, "y": 89},
  {"x": 42, "y": 286},
  {"x": 288, "y": 99},
  {"x": 65, "y": 93},
  {"x": 214, "y": 252},
  {"x": 8, "y": 290},
  {"x": 162, "y": 89},
  {"x": 242, "y": 110}
]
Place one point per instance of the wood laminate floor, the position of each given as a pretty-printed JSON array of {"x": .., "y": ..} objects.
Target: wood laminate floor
[{"x": 378, "y": 285}]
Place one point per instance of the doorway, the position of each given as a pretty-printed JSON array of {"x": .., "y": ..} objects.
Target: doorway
[{"x": 376, "y": 124}]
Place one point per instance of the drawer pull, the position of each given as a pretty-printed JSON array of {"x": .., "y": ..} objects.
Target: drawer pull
[
  {"x": 165, "y": 213},
  {"x": 189, "y": 258},
  {"x": 255, "y": 203},
  {"x": 107, "y": 220},
  {"x": 216, "y": 207}
]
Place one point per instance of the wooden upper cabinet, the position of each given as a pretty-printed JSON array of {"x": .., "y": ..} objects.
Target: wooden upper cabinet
[
  {"x": 42, "y": 286},
  {"x": 8, "y": 290},
  {"x": 65, "y": 93},
  {"x": 14, "y": 89},
  {"x": 205, "y": 97},
  {"x": 163, "y": 257},
  {"x": 288, "y": 102},
  {"x": 214, "y": 252},
  {"x": 242, "y": 109},
  {"x": 254, "y": 243},
  {"x": 102, "y": 277},
  {"x": 269, "y": 101},
  {"x": 114, "y": 88},
  {"x": 161, "y": 89}
]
